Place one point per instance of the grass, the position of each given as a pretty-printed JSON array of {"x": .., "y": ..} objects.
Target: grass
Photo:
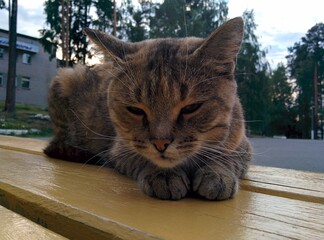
[{"x": 24, "y": 118}]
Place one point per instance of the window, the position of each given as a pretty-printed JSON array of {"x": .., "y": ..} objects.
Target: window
[
  {"x": 26, "y": 58},
  {"x": 1, "y": 52},
  {"x": 1, "y": 80},
  {"x": 25, "y": 83}
]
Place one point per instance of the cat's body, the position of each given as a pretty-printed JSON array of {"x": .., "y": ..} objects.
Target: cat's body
[{"x": 163, "y": 111}]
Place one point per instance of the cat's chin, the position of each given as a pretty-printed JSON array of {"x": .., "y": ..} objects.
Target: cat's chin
[{"x": 165, "y": 162}]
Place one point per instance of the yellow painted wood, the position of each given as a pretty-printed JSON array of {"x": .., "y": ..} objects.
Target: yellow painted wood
[
  {"x": 88, "y": 202},
  {"x": 287, "y": 183},
  {"x": 16, "y": 227},
  {"x": 29, "y": 145},
  {"x": 306, "y": 186}
]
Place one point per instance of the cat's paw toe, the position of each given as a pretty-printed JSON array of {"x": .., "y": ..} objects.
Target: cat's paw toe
[
  {"x": 165, "y": 185},
  {"x": 215, "y": 185}
]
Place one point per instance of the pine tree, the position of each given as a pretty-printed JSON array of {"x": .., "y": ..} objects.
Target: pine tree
[
  {"x": 305, "y": 58},
  {"x": 179, "y": 18},
  {"x": 79, "y": 18},
  {"x": 282, "y": 109},
  {"x": 252, "y": 76}
]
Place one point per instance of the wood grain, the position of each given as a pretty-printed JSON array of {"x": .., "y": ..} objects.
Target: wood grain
[
  {"x": 16, "y": 227},
  {"x": 88, "y": 202}
]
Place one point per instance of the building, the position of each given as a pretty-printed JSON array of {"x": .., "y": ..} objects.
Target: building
[{"x": 34, "y": 70}]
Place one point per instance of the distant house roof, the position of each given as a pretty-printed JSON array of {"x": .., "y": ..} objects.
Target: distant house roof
[
  {"x": 20, "y": 35},
  {"x": 26, "y": 46}
]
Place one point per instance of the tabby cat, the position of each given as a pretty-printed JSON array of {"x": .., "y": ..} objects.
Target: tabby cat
[{"x": 163, "y": 111}]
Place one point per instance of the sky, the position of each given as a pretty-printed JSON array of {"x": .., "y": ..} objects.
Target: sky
[{"x": 280, "y": 23}]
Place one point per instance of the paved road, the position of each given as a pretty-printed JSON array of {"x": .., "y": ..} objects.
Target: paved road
[{"x": 306, "y": 155}]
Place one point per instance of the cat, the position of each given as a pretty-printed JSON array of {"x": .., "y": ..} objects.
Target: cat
[{"x": 163, "y": 111}]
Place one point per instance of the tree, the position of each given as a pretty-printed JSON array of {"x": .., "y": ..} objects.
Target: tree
[
  {"x": 252, "y": 76},
  {"x": 104, "y": 11},
  {"x": 51, "y": 37},
  {"x": 178, "y": 18},
  {"x": 130, "y": 22},
  {"x": 2, "y": 4},
  {"x": 306, "y": 66},
  {"x": 137, "y": 28},
  {"x": 282, "y": 110},
  {"x": 11, "y": 82},
  {"x": 79, "y": 18}
]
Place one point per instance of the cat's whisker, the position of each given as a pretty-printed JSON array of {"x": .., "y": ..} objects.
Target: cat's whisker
[
  {"x": 208, "y": 80},
  {"x": 111, "y": 73},
  {"x": 113, "y": 57},
  {"x": 224, "y": 150},
  {"x": 201, "y": 159},
  {"x": 121, "y": 92},
  {"x": 96, "y": 133},
  {"x": 218, "y": 160},
  {"x": 131, "y": 90},
  {"x": 113, "y": 138},
  {"x": 193, "y": 160},
  {"x": 95, "y": 156},
  {"x": 128, "y": 66},
  {"x": 152, "y": 92},
  {"x": 226, "y": 161}
]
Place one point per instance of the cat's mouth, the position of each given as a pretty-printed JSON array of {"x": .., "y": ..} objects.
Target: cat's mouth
[
  {"x": 165, "y": 161},
  {"x": 165, "y": 157}
]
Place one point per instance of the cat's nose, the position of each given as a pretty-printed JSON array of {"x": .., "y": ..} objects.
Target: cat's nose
[{"x": 161, "y": 144}]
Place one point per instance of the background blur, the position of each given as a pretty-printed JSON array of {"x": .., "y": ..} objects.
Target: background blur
[{"x": 280, "y": 68}]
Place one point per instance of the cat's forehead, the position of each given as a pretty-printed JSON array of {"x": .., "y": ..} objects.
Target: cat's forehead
[
  {"x": 166, "y": 71},
  {"x": 160, "y": 59},
  {"x": 167, "y": 48}
]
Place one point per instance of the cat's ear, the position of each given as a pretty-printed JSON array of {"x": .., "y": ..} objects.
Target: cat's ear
[
  {"x": 110, "y": 45},
  {"x": 224, "y": 43}
]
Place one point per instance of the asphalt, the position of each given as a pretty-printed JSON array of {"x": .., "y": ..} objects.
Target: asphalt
[{"x": 305, "y": 155}]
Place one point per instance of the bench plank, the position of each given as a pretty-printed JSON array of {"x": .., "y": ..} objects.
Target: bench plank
[
  {"x": 305, "y": 186},
  {"x": 20, "y": 144},
  {"x": 16, "y": 227},
  {"x": 82, "y": 201}
]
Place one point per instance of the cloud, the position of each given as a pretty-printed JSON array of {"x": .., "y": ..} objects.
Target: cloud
[
  {"x": 30, "y": 18},
  {"x": 281, "y": 23}
]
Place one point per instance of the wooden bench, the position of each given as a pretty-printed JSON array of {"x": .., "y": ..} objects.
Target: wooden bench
[{"x": 79, "y": 201}]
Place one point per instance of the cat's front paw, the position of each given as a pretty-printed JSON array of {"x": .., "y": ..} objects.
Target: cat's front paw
[
  {"x": 215, "y": 184},
  {"x": 171, "y": 185}
]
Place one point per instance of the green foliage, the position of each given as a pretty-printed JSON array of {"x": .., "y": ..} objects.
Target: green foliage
[
  {"x": 79, "y": 18},
  {"x": 252, "y": 76},
  {"x": 137, "y": 28},
  {"x": 132, "y": 21},
  {"x": 301, "y": 64},
  {"x": 283, "y": 117},
  {"x": 104, "y": 11},
  {"x": 51, "y": 37},
  {"x": 2, "y": 4},
  {"x": 24, "y": 119},
  {"x": 267, "y": 98},
  {"x": 172, "y": 20}
]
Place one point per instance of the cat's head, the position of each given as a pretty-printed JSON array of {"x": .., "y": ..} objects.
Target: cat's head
[{"x": 171, "y": 98}]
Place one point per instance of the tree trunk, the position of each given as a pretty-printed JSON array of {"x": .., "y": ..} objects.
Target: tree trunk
[
  {"x": 315, "y": 118},
  {"x": 11, "y": 82}
]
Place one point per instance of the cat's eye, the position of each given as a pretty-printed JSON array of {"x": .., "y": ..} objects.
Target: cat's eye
[
  {"x": 190, "y": 108},
  {"x": 136, "y": 111}
]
